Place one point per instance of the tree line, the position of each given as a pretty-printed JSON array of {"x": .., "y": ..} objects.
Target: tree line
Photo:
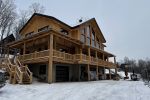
[
  {"x": 141, "y": 66},
  {"x": 12, "y": 21}
]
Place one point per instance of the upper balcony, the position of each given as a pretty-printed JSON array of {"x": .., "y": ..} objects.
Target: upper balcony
[{"x": 62, "y": 57}]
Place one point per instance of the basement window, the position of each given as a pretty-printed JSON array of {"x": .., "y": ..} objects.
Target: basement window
[
  {"x": 65, "y": 32},
  {"x": 43, "y": 28}
]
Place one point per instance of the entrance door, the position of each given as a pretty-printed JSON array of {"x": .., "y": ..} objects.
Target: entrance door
[{"x": 62, "y": 73}]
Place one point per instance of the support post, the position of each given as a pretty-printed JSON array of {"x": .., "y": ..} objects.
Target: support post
[
  {"x": 88, "y": 71},
  {"x": 97, "y": 73},
  {"x": 104, "y": 74},
  {"x": 50, "y": 64},
  {"x": 109, "y": 74}
]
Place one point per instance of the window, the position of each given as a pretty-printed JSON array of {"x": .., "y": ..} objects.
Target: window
[
  {"x": 83, "y": 38},
  {"x": 83, "y": 35},
  {"x": 29, "y": 34},
  {"x": 88, "y": 40},
  {"x": 88, "y": 31},
  {"x": 97, "y": 44},
  {"x": 43, "y": 28},
  {"x": 65, "y": 32},
  {"x": 93, "y": 38},
  {"x": 42, "y": 70},
  {"x": 93, "y": 35}
]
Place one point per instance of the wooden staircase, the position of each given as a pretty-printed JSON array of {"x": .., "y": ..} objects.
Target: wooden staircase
[{"x": 18, "y": 72}]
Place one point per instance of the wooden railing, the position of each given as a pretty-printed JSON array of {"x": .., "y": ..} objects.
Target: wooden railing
[
  {"x": 19, "y": 74},
  {"x": 34, "y": 55},
  {"x": 81, "y": 58},
  {"x": 20, "y": 69}
]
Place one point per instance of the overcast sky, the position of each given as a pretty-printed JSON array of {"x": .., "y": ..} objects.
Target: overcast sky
[{"x": 125, "y": 23}]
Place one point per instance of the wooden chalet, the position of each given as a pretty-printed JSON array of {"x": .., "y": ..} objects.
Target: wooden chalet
[{"x": 56, "y": 52}]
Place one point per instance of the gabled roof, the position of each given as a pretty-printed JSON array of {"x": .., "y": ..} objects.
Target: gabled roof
[
  {"x": 50, "y": 17},
  {"x": 90, "y": 21},
  {"x": 7, "y": 39}
]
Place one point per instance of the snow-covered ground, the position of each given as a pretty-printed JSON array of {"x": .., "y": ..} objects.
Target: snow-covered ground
[{"x": 93, "y": 90}]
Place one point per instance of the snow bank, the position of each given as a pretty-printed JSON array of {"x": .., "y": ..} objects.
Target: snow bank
[{"x": 95, "y": 90}]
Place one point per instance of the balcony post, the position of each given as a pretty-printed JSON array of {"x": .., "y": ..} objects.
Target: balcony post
[
  {"x": 89, "y": 54},
  {"x": 103, "y": 57},
  {"x": 81, "y": 54},
  {"x": 50, "y": 64},
  {"x": 96, "y": 57}
]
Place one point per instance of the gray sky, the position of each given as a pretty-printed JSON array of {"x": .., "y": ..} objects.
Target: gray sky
[{"x": 124, "y": 23}]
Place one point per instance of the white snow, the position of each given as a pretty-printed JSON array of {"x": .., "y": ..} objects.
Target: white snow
[
  {"x": 2, "y": 71},
  {"x": 93, "y": 90}
]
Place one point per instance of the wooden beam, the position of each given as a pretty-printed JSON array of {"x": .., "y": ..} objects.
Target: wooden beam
[{"x": 50, "y": 64}]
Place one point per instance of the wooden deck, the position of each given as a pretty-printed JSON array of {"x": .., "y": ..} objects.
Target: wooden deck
[{"x": 63, "y": 57}]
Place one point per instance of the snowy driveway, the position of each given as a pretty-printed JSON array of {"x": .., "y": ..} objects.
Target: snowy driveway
[{"x": 96, "y": 90}]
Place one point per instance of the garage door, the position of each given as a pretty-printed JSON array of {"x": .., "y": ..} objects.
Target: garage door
[{"x": 62, "y": 73}]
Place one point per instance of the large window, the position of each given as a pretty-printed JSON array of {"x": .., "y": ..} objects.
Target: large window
[
  {"x": 43, "y": 28},
  {"x": 97, "y": 43},
  {"x": 93, "y": 38},
  {"x": 83, "y": 37},
  {"x": 89, "y": 36}
]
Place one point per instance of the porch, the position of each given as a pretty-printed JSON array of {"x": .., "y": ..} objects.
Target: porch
[{"x": 62, "y": 57}]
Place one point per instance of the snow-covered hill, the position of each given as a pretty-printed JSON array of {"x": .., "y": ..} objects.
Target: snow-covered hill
[{"x": 94, "y": 90}]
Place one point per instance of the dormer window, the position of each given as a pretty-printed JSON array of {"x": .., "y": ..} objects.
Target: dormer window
[
  {"x": 65, "y": 32},
  {"x": 43, "y": 28},
  {"x": 29, "y": 34}
]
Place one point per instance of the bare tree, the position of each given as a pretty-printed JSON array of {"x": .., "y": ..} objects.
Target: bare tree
[
  {"x": 36, "y": 8},
  {"x": 25, "y": 15},
  {"x": 7, "y": 18}
]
